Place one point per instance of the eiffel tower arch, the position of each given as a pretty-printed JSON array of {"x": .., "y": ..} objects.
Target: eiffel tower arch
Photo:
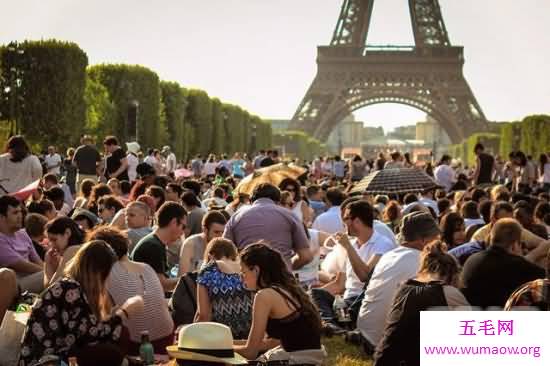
[{"x": 427, "y": 76}]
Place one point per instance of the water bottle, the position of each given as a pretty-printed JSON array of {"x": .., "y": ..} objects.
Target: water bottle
[
  {"x": 146, "y": 351},
  {"x": 174, "y": 271},
  {"x": 341, "y": 310}
]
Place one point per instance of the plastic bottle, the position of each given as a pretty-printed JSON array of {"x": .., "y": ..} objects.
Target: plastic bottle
[
  {"x": 146, "y": 351},
  {"x": 341, "y": 310}
]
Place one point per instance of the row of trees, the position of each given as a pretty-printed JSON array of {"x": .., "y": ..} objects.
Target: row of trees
[
  {"x": 299, "y": 144},
  {"x": 56, "y": 98},
  {"x": 531, "y": 135}
]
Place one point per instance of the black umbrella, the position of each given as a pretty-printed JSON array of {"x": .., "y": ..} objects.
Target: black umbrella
[{"x": 401, "y": 180}]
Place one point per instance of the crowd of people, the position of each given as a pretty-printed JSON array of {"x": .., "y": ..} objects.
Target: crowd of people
[{"x": 119, "y": 243}]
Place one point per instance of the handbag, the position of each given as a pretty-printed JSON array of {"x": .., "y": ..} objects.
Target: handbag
[{"x": 12, "y": 330}]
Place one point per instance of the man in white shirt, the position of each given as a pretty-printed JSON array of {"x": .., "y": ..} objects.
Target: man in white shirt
[
  {"x": 363, "y": 254},
  {"x": 398, "y": 265},
  {"x": 171, "y": 160},
  {"x": 53, "y": 161},
  {"x": 427, "y": 199},
  {"x": 445, "y": 175},
  {"x": 133, "y": 161},
  {"x": 330, "y": 221}
]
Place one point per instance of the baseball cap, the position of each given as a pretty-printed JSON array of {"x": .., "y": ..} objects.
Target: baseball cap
[{"x": 417, "y": 225}]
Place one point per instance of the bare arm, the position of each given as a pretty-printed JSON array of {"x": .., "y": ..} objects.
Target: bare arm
[
  {"x": 476, "y": 171},
  {"x": 24, "y": 266},
  {"x": 168, "y": 284},
  {"x": 362, "y": 269},
  {"x": 204, "y": 308},
  {"x": 50, "y": 278},
  {"x": 123, "y": 167},
  {"x": 303, "y": 256},
  {"x": 186, "y": 256},
  {"x": 260, "y": 315}
]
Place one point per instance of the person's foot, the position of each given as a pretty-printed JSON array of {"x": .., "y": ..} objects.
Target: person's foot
[{"x": 330, "y": 329}]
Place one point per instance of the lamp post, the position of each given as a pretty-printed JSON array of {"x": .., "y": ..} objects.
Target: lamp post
[
  {"x": 12, "y": 86},
  {"x": 134, "y": 106},
  {"x": 253, "y": 142}
]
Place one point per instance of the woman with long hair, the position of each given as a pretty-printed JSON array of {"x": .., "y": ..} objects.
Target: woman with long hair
[
  {"x": 129, "y": 278},
  {"x": 84, "y": 194},
  {"x": 64, "y": 240},
  {"x": 281, "y": 308},
  {"x": 98, "y": 191},
  {"x": 453, "y": 230},
  {"x": 300, "y": 208},
  {"x": 434, "y": 286},
  {"x": 73, "y": 317},
  {"x": 158, "y": 195},
  {"x": 392, "y": 215},
  {"x": 221, "y": 295},
  {"x": 18, "y": 167}
]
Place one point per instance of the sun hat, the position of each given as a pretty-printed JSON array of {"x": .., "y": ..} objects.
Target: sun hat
[
  {"x": 133, "y": 147},
  {"x": 81, "y": 212},
  {"x": 165, "y": 148},
  {"x": 206, "y": 341}
]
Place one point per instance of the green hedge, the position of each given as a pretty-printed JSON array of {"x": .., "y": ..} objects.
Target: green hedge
[
  {"x": 52, "y": 108},
  {"x": 62, "y": 99},
  {"x": 510, "y": 138},
  {"x": 126, "y": 83},
  {"x": 535, "y": 135},
  {"x": 175, "y": 104}
]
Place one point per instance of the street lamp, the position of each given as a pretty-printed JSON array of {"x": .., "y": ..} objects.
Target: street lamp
[
  {"x": 133, "y": 113},
  {"x": 253, "y": 141},
  {"x": 12, "y": 86}
]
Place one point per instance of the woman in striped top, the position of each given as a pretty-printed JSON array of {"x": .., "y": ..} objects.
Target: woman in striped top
[{"x": 130, "y": 278}]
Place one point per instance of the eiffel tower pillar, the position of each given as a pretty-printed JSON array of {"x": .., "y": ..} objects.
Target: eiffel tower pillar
[{"x": 427, "y": 76}]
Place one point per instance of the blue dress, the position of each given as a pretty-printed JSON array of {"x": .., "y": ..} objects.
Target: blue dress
[{"x": 231, "y": 302}]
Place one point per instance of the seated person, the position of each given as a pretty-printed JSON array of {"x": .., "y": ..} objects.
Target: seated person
[
  {"x": 172, "y": 221},
  {"x": 57, "y": 196},
  {"x": 396, "y": 266},
  {"x": 50, "y": 180},
  {"x": 107, "y": 207},
  {"x": 8, "y": 290},
  {"x": 64, "y": 240},
  {"x": 85, "y": 219},
  {"x": 221, "y": 295},
  {"x": 192, "y": 250},
  {"x": 491, "y": 276},
  {"x": 129, "y": 278},
  {"x": 16, "y": 249},
  {"x": 43, "y": 207},
  {"x": 35, "y": 226},
  {"x": 72, "y": 317},
  {"x": 363, "y": 254},
  {"x": 434, "y": 287},
  {"x": 284, "y": 319},
  {"x": 138, "y": 221}
]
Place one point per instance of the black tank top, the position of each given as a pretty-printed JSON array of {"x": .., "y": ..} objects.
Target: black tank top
[
  {"x": 401, "y": 340},
  {"x": 294, "y": 330},
  {"x": 486, "y": 162}
]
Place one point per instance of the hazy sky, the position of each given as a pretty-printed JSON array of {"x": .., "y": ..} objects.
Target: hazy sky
[{"x": 260, "y": 54}]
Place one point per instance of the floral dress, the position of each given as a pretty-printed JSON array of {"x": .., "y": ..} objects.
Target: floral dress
[
  {"x": 62, "y": 319},
  {"x": 231, "y": 302}
]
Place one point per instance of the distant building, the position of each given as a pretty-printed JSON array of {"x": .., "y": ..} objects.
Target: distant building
[
  {"x": 433, "y": 134},
  {"x": 347, "y": 134}
]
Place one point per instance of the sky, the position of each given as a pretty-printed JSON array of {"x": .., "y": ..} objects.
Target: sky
[{"x": 260, "y": 54}]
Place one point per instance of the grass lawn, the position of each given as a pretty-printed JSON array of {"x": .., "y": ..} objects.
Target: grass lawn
[{"x": 341, "y": 353}]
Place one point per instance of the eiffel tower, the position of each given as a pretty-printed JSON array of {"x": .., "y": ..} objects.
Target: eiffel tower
[{"x": 427, "y": 76}]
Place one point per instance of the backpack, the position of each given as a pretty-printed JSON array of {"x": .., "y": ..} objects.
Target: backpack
[{"x": 183, "y": 303}]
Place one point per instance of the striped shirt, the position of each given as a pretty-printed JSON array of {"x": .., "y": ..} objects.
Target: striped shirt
[{"x": 155, "y": 317}]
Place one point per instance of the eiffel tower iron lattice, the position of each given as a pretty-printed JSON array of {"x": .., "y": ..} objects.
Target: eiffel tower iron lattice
[{"x": 427, "y": 76}]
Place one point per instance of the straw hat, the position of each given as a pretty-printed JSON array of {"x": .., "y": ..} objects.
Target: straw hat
[
  {"x": 206, "y": 341},
  {"x": 133, "y": 147}
]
